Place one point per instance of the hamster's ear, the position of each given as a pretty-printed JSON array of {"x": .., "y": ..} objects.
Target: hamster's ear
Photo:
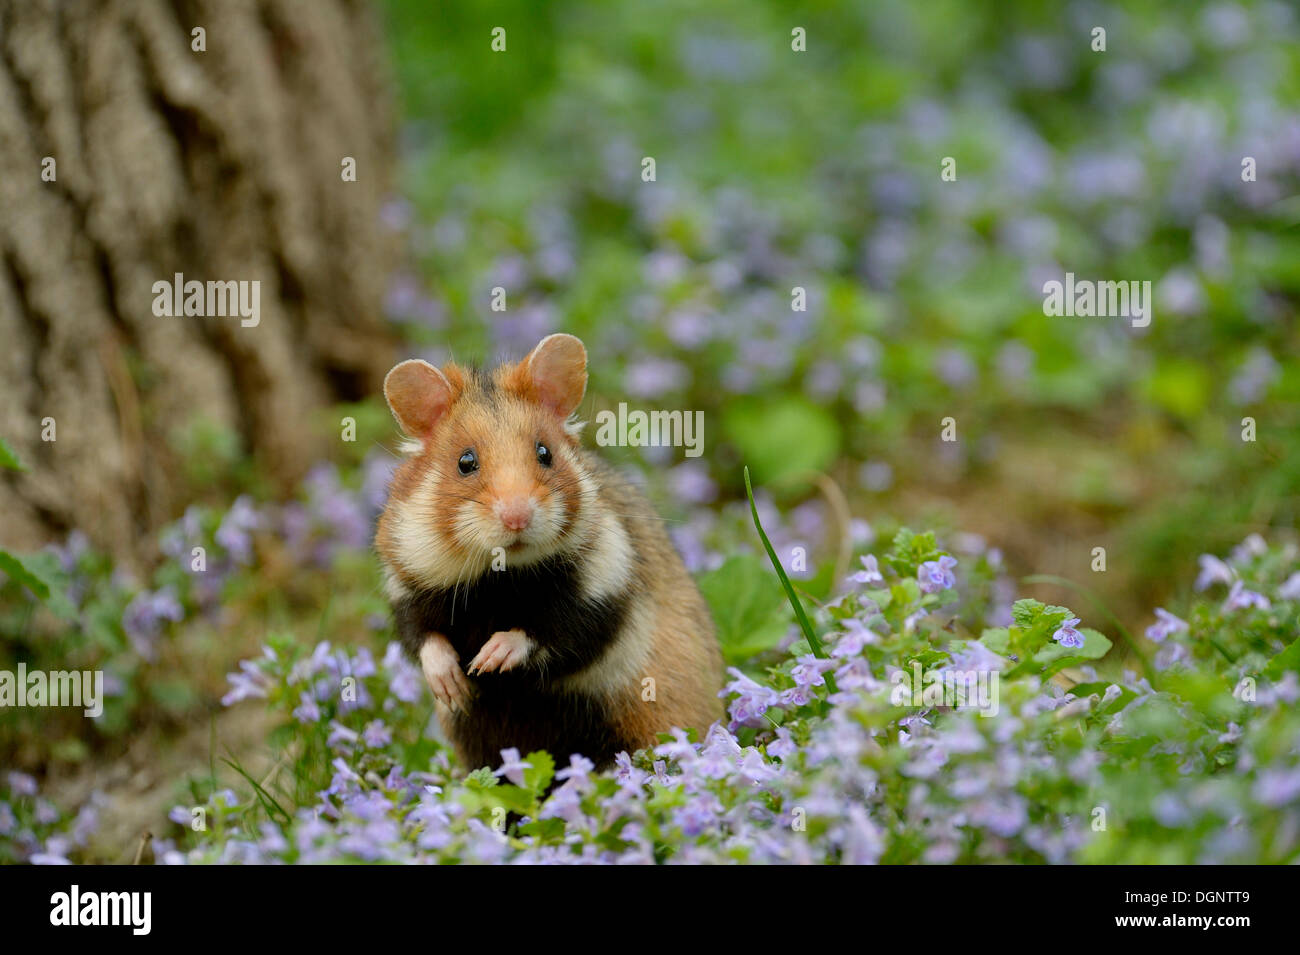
[
  {"x": 554, "y": 374},
  {"x": 419, "y": 395}
]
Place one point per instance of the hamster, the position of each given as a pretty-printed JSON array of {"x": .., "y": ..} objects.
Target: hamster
[{"x": 536, "y": 588}]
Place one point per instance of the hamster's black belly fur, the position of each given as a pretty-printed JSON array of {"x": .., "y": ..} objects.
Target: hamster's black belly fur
[{"x": 522, "y": 708}]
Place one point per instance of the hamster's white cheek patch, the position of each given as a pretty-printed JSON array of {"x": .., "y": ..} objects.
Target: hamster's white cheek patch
[
  {"x": 608, "y": 569},
  {"x": 550, "y": 519},
  {"x": 473, "y": 530},
  {"x": 419, "y": 550}
]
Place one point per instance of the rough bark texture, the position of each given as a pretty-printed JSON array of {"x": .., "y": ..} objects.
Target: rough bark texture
[{"x": 222, "y": 165}]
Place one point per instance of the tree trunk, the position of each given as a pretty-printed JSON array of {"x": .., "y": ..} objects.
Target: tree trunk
[{"x": 223, "y": 165}]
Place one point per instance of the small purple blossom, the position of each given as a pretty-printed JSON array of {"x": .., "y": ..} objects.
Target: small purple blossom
[
  {"x": 1165, "y": 626},
  {"x": 1239, "y": 598},
  {"x": 751, "y": 701},
  {"x": 808, "y": 670},
  {"x": 513, "y": 766},
  {"x": 936, "y": 575},
  {"x": 1067, "y": 635},
  {"x": 1213, "y": 571},
  {"x": 234, "y": 534},
  {"x": 249, "y": 683},
  {"x": 870, "y": 572},
  {"x": 144, "y": 616}
]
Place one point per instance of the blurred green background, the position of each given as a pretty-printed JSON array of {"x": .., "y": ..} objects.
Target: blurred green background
[{"x": 821, "y": 169}]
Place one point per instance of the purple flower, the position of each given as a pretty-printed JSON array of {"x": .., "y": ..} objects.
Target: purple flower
[
  {"x": 1166, "y": 625},
  {"x": 783, "y": 747},
  {"x": 235, "y": 533},
  {"x": 1290, "y": 589},
  {"x": 955, "y": 368},
  {"x": 307, "y": 711},
  {"x": 1067, "y": 636},
  {"x": 248, "y": 683},
  {"x": 76, "y": 545},
  {"x": 177, "y": 537},
  {"x": 752, "y": 699},
  {"x": 144, "y": 615},
  {"x": 341, "y": 737},
  {"x": 1213, "y": 571},
  {"x": 628, "y": 776},
  {"x": 1004, "y": 816},
  {"x": 376, "y": 735},
  {"x": 336, "y": 509},
  {"x": 680, "y": 748},
  {"x": 1253, "y": 546},
  {"x": 862, "y": 841},
  {"x": 1278, "y": 787},
  {"x": 660, "y": 773},
  {"x": 512, "y": 766},
  {"x": 655, "y": 377},
  {"x": 808, "y": 671},
  {"x": 755, "y": 768},
  {"x": 21, "y": 784},
  {"x": 795, "y": 696},
  {"x": 1239, "y": 598},
  {"x": 870, "y": 573},
  {"x": 692, "y": 484},
  {"x": 579, "y": 769},
  {"x": 699, "y": 815},
  {"x": 689, "y": 328},
  {"x": 857, "y": 636},
  {"x": 936, "y": 575},
  {"x": 976, "y": 657},
  {"x": 405, "y": 682}
]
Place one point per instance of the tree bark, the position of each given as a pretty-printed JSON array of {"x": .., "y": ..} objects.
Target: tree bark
[{"x": 221, "y": 165}]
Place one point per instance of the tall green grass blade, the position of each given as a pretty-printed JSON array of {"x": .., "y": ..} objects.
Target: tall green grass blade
[{"x": 804, "y": 623}]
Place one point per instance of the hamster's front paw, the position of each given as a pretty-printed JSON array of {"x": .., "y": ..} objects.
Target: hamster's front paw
[
  {"x": 441, "y": 666},
  {"x": 505, "y": 650}
]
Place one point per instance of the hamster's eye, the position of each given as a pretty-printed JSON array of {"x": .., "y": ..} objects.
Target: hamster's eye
[
  {"x": 543, "y": 455},
  {"x": 468, "y": 462}
]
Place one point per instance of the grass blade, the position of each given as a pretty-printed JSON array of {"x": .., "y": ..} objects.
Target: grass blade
[{"x": 804, "y": 623}]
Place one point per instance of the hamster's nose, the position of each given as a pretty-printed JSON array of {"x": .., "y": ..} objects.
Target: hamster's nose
[{"x": 516, "y": 513}]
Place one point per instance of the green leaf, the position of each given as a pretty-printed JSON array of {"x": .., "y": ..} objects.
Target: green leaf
[
  {"x": 514, "y": 798},
  {"x": 764, "y": 431},
  {"x": 1024, "y": 611},
  {"x": 1028, "y": 614},
  {"x": 910, "y": 550},
  {"x": 539, "y": 775},
  {"x": 1288, "y": 659},
  {"x": 1126, "y": 696},
  {"x": 996, "y": 639},
  {"x": 1054, "y": 657},
  {"x": 18, "y": 572},
  {"x": 544, "y": 830},
  {"x": 8, "y": 459},
  {"x": 481, "y": 778},
  {"x": 45, "y": 567},
  {"x": 750, "y": 613}
]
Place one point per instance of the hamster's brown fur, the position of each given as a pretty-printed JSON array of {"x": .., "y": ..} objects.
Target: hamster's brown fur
[{"x": 539, "y": 590}]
